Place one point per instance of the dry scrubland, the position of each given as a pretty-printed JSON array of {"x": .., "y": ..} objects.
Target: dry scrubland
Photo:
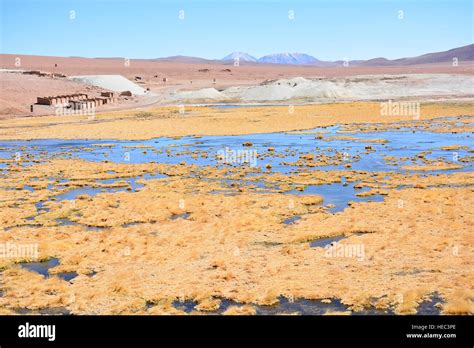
[
  {"x": 169, "y": 121},
  {"x": 133, "y": 256}
]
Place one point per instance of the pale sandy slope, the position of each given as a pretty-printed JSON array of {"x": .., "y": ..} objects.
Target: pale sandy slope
[
  {"x": 116, "y": 83},
  {"x": 367, "y": 87}
]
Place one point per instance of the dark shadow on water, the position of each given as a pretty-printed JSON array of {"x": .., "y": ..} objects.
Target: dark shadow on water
[
  {"x": 323, "y": 242},
  {"x": 44, "y": 266},
  {"x": 43, "y": 311},
  {"x": 186, "y": 306},
  {"x": 284, "y": 306},
  {"x": 291, "y": 220},
  {"x": 67, "y": 276},
  {"x": 41, "y": 267},
  {"x": 180, "y": 216},
  {"x": 428, "y": 307}
]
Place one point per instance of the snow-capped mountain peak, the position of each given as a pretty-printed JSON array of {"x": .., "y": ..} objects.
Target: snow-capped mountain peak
[
  {"x": 242, "y": 56},
  {"x": 288, "y": 58}
]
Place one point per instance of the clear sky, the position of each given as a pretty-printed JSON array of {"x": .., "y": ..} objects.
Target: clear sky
[{"x": 328, "y": 30}]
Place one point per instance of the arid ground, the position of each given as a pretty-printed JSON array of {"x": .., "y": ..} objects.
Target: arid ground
[{"x": 20, "y": 91}]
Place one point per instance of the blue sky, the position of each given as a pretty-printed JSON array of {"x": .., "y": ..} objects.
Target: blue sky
[{"x": 328, "y": 30}]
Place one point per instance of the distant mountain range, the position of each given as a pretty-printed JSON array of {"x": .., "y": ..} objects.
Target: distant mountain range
[
  {"x": 465, "y": 53},
  {"x": 278, "y": 58}
]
